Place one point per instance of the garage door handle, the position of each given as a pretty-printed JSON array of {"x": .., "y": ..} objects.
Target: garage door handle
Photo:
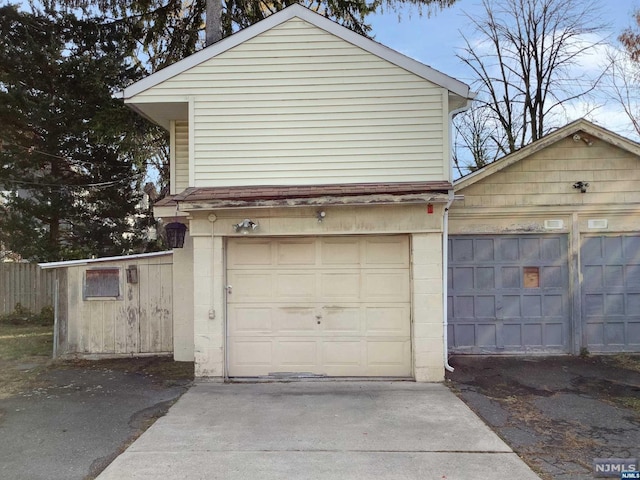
[{"x": 229, "y": 288}]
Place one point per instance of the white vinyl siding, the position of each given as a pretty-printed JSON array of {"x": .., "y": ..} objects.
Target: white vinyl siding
[
  {"x": 298, "y": 106},
  {"x": 181, "y": 155}
]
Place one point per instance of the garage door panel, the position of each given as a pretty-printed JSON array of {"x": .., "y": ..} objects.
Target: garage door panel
[
  {"x": 293, "y": 320},
  {"x": 553, "y": 306},
  {"x": 511, "y": 277},
  {"x": 387, "y": 353},
  {"x": 485, "y": 306},
  {"x": 387, "y": 320},
  {"x": 462, "y": 278},
  {"x": 251, "y": 320},
  {"x": 321, "y": 301},
  {"x": 339, "y": 252},
  {"x": 633, "y": 275},
  {"x": 511, "y": 306},
  {"x": 633, "y": 332},
  {"x": 251, "y": 352},
  {"x": 614, "y": 304},
  {"x": 614, "y": 333},
  {"x": 294, "y": 286},
  {"x": 385, "y": 285},
  {"x": 633, "y": 303},
  {"x": 554, "y": 334},
  {"x": 462, "y": 308},
  {"x": 551, "y": 248},
  {"x": 533, "y": 334},
  {"x": 251, "y": 253},
  {"x": 343, "y": 353},
  {"x": 484, "y": 250},
  {"x": 342, "y": 320},
  {"x": 532, "y": 306},
  {"x": 508, "y": 249},
  {"x": 530, "y": 248},
  {"x": 250, "y": 286},
  {"x": 506, "y": 293},
  {"x": 296, "y": 252},
  {"x": 593, "y": 305},
  {"x": 613, "y": 276},
  {"x": 512, "y": 335},
  {"x": 551, "y": 277},
  {"x": 613, "y": 248},
  {"x": 484, "y": 277},
  {"x": 342, "y": 285},
  {"x": 392, "y": 251},
  {"x": 297, "y": 355},
  {"x": 486, "y": 335}
]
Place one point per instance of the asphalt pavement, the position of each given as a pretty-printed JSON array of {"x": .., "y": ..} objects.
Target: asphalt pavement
[{"x": 77, "y": 421}]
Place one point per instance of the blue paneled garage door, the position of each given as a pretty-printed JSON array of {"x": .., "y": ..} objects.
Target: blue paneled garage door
[
  {"x": 611, "y": 293},
  {"x": 508, "y": 294}
]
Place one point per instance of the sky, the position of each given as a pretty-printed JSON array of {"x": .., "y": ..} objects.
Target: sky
[{"x": 435, "y": 40}]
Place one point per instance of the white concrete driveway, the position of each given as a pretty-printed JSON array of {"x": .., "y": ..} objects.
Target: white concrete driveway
[{"x": 319, "y": 430}]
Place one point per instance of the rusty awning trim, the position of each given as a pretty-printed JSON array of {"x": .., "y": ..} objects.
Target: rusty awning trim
[{"x": 271, "y": 196}]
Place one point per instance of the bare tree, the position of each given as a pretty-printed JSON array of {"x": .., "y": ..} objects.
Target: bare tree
[
  {"x": 624, "y": 86},
  {"x": 624, "y": 77},
  {"x": 524, "y": 57},
  {"x": 477, "y": 139}
]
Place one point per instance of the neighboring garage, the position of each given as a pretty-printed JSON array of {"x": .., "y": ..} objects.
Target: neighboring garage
[
  {"x": 544, "y": 248},
  {"x": 508, "y": 293},
  {"x": 335, "y": 306}
]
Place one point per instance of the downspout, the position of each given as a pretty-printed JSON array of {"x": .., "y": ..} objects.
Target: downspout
[
  {"x": 55, "y": 316},
  {"x": 445, "y": 242},
  {"x": 445, "y": 279}
]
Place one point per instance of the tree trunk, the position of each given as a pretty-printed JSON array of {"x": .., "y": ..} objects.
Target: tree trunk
[{"x": 213, "y": 22}]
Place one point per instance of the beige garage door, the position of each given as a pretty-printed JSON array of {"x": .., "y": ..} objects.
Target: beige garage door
[{"x": 336, "y": 306}]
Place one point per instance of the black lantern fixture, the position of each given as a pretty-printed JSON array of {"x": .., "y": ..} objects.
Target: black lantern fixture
[{"x": 175, "y": 234}]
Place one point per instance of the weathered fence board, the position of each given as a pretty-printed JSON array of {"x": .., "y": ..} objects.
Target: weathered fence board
[{"x": 26, "y": 284}]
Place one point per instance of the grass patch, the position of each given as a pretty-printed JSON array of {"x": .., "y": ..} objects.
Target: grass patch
[
  {"x": 627, "y": 361},
  {"x": 24, "y": 350},
  {"x": 20, "y": 342},
  {"x": 630, "y": 402}
]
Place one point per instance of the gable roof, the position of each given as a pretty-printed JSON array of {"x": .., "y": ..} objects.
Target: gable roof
[
  {"x": 573, "y": 128},
  {"x": 298, "y": 11}
]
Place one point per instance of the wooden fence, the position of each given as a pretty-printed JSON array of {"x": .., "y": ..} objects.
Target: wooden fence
[{"x": 26, "y": 284}]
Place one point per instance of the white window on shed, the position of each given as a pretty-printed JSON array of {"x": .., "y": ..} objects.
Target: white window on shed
[{"x": 102, "y": 283}]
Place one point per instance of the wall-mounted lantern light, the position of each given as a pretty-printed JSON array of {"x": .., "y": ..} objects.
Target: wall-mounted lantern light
[
  {"x": 582, "y": 186},
  {"x": 175, "y": 234},
  {"x": 245, "y": 226}
]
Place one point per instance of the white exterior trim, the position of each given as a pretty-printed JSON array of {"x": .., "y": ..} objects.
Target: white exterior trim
[
  {"x": 303, "y": 13},
  {"x": 172, "y": 157},
  {"x": 73, "y": 263},
  {"x": 192, "y": 143}
]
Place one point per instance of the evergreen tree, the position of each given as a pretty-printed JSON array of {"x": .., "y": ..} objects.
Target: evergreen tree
[
  {"x": 72, "y": 158},
  {"x": 169, "y": 30}
]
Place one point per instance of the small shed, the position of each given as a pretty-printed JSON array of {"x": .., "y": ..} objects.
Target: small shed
[{"x": 113, "y": 306}]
